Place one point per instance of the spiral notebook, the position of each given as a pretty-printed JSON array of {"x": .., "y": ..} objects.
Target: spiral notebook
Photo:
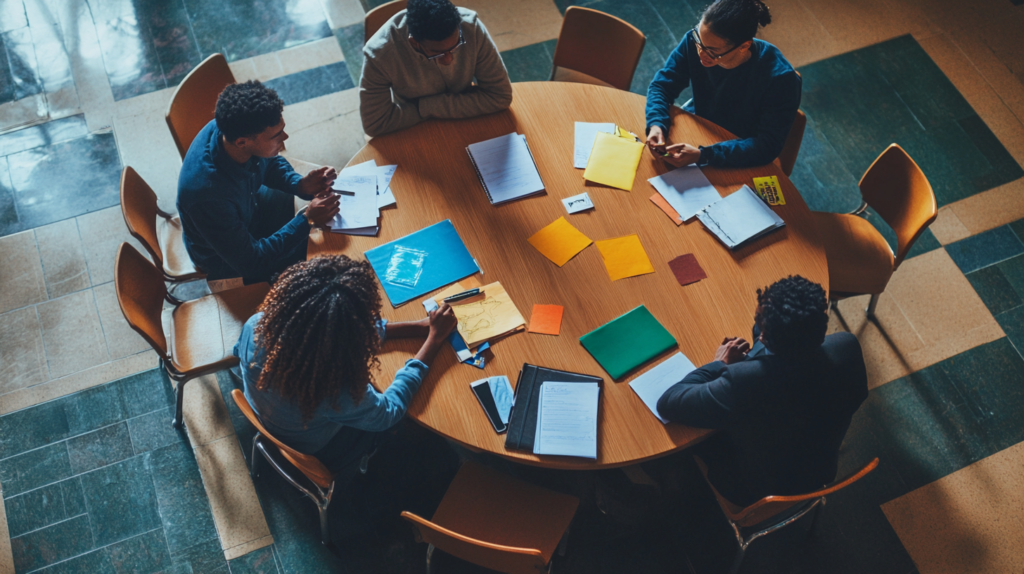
[{"x": 506, "y": 168}]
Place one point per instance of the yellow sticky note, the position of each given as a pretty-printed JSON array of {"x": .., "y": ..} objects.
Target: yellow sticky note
[
  {"x": 624, "y": 257},
  {"x": 613, "y": 161},
  {"x": 559, "y": 241},
  {"x": 770, "y": 190}
]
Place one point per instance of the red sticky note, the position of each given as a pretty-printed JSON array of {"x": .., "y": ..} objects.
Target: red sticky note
[
  {"x": 546, "y": 319},
  {"x": 686, "y": 269}
]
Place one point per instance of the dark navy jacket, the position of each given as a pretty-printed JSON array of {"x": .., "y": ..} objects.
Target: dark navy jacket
[
  {"x": 216, "y": 203},
  {"x": 756, "y": 101}
]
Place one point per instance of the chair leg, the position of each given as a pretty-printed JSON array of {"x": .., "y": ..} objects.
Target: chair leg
[
  {"x": 871, "y": 306},
  {"x": 430, "y": 555},
  {"x": 254, "y": 468},
  {"x": 325, "y": 535},
  {"x": 738, "y": 561},
  {"x": 178, "y": 421}
]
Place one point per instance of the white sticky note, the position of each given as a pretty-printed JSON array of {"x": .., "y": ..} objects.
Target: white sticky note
[{"x": 578, "y": 203}]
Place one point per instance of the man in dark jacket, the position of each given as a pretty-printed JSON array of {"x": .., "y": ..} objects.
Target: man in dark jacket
[{"x": 783, "y": 405}]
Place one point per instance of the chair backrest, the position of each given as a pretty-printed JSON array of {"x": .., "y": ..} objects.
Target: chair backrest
[
  {"x": 139, "y": 208},
  {"x": 307, "y": 464},
  {"x": 376, "y": 18},
  {"x": 195, "y": 100},
  {"x": 896, "y": 188},
  {"x": 140, "y": 293},
  {"x": 599, "y": 45},
  {"x": 493, "y": 556},
  {"x": 787, "y": 157}
]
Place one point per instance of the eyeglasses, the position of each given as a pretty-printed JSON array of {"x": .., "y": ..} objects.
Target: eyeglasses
[
  {"x": 449, "y": 52},
  {"x": 711, "y": 54}
]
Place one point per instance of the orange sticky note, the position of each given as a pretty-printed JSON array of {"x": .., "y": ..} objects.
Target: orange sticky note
[
  {"x": 559, "y": 241},
  {"x": 668, "y": 209},
  {"x": 624, "y": 257},
  {"x": 546, "y": 319}
]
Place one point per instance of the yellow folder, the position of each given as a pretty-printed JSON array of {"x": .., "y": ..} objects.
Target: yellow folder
[{"x": 613, "y": 161}]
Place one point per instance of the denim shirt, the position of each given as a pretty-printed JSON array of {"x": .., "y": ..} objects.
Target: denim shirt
[
  {"x": 216, "y": 203},
  {"x": 375, "y": 412}
]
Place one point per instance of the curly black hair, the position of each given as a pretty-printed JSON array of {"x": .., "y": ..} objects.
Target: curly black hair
[
  {"x": 736, "y": 20},
  {"x": 432, "y": 20},
  {"x": 319, "y": 329},
  {"x": 245, "y": 110},
  {"x": 793, "y": 315}
]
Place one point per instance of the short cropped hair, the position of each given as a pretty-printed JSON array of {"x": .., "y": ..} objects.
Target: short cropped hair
[
  {"x": 793, "y": 315},
  {"x": 245, "y": 110},
  {"x": 432, "y": 20}
]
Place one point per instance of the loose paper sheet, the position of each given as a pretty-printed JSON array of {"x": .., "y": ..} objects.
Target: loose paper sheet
[
  {"x": 652, "y": 384},
  {"x": 686, "y": 269},
  {"x": 384, "y": 174},
  {"x": 624, "y": 257},
  {"x": 663, "y": 205},
  {"x": 546, "y": 319},
  {"x": 686, "y": 189},
  {"x": 613, "y": 161},
  {"x": 578, "y": 203},
  {"x": 487, "y": 317},
  {"x": 559, "y": 241},
  {"x": 357, "y": 203},
  {"x": 585, "y": 135},
  {"x": 567, "y": 419}
]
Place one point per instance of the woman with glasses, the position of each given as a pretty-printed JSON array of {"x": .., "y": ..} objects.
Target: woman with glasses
[{"x": 739, "y": 82}]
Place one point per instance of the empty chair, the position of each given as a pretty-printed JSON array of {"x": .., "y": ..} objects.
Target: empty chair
[
  {"x": 596, "y": 48},
  {"x": 859, "y": 259},
  {"x": 787, "y": 157},
  {"x": 195, "y": 338},
  {"x": 774, "y": 512},
  {"x": 497, "y": 521},
  {"x": 376, "y": 18},
  {"x": 286, "y": 461},
  {"x": 158, "y": 231},
  {"x": 195, "y": 100}
]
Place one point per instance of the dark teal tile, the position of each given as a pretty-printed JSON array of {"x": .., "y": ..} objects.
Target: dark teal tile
[
  {"x": 259, "y": 562},
  {"x": 152, "y": 431},
  {"x": 821, "y": 176},
  {"x": 530, "y": 63},
  {"x": 129, "y": 56},
  {"x": 204, "y": 558},
  {"x": 245, "y": 28},
  {"x": 990, "y": 377},
  {"x": 34, "y": 510},
  {"x": 57, "y": 131},
  {"x": 1012, "y": 323},
  {"x": 171, "y": 33},
  {"x": 96, "y": 562},
  {"x": 121, "y": 500},
  {"x": 19, "y": 72},
  {"x": 350, "y": 38},
  {"x": 183, "y": 568},
  {"x": 312, "y": 83},
  {"x": 184, "y": 508},
  {"x": 995, "y": 291},
  {"x": 141, "y": 554},
  {"x": 10, "y": 222},
  {"x": 642, "y": 15},
  {"x": 34, "y": 469},
  {"x": 1013, "y": 270},
  {"x": 52, "y": 544},
  {"x": 99, "y": 448},
  {"x": 94, "y": 408},
  {"x": 1018, "y": 228},
  {"x": 74, "y": 496},
  {"x": 146, "y": 392},
  {"x": 985, "y": 249},
  {"x": 1002, "y": 167},
  {"x": 32, "y": 428}
]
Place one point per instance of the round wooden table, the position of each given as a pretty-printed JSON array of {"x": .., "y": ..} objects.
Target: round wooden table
[{"x": 436, "y": 181}]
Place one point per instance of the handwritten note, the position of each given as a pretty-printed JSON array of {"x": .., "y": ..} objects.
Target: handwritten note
[
  {"x": 567, "y": 419},
  {"x": 384, "y": 174},
  {"x": 578, "y": 203},
  {"x": 585, "y": 135}
]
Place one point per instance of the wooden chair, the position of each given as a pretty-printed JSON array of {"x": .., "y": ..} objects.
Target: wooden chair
[
  {"x": 596, "y": 48},
  {"x": 860, "y": 261},
  {"x": 284, "y": 458},
  {"x": 377, "y": 17},
  {"x": 195, "y": 99},
  {"x": 195, "y": 338},
  {"x": 158, "y": 231},
  {"x": 497, "y": 522},
  {"x": 774, "y": 512},
  {"x": 787, "y": 157}
]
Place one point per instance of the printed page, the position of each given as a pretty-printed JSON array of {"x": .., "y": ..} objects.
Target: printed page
[{"x": 567, "y": 419}]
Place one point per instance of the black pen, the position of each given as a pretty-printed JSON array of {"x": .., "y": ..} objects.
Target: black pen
[{"x": 464, "y": 295}]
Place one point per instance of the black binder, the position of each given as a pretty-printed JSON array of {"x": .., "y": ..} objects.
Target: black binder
[{"x": 522, "y": 426}]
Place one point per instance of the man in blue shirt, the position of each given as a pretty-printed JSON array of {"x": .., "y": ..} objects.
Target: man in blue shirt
[
  {"x": 237, "y": 216},
  {"x": 740, "y": 83}
]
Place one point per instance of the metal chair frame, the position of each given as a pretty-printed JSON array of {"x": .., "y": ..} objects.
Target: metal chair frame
[{"x": 816, "y": 504}]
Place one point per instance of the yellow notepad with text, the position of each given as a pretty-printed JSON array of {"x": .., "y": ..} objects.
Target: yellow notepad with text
[{"x": 613, "y": 161}]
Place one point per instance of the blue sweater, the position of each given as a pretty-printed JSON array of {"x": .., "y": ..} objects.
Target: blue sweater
[
  {"x": 216, "y": 203},
  {"x": 756, "y": 101},
  {"x": 376, "y": 412}
]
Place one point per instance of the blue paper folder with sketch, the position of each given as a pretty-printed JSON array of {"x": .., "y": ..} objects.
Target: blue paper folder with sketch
[{"x": 421, "y": 262}]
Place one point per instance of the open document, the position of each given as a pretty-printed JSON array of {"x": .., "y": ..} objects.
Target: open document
[
  {"x": 739, "y": 218},
  {"x": 567, "y": 419},
  {"x": 384, "y": 174},
  {"x": 357, "y": 205},
  {"x": 506, "y": 168}
]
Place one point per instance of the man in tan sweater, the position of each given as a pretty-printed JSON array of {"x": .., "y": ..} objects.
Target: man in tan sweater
[{"x": 422, "y": 64}]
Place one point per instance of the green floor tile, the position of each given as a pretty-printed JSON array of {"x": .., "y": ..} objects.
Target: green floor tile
[
  {"x": 350, "y": 38},
  {"x": 530, "y": 63},
  {"x": 995, "y": 291}
]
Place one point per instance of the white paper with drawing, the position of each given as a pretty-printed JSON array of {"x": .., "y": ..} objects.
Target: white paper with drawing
[
  {"x": 586, "y": 133},
  {"x": 686, "y": 189},
  {"x": 357, "y": 204},
  {"x": 384, "y": 174},
  {"x": 484, "y": 317},
  {"x": 567, "y": 419}
]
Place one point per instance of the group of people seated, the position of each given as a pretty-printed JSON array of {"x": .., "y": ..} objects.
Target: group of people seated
[{"x": 784, "y": 402}]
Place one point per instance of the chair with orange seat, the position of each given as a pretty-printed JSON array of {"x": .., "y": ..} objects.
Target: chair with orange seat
[
  {"x": 860, "y": 261},
  {"x": 787, "y": 157},
  {"x": 376, "y": 18},
  {"x": 193, "y": 339},
  {"x": 596, "y": 48},
  {"x": 516, "y": 531},
  {"x": 195, "y": 100},
  {"x": 284, "y": 458},
  {"x": 158, "y": 231},
  {"x": 774, "y": 512}
]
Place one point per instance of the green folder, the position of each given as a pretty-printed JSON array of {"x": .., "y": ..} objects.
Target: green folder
[{"x": 628, "y": 341}]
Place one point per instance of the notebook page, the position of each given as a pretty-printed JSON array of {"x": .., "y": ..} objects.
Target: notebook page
[
  {"x": 652, "y": 384},
  {"x": 686, "y": 189},
  {"x": 506, "y": 166},
  {"x": 567, "y": 419},
  {"x": 739, "y": 217}
]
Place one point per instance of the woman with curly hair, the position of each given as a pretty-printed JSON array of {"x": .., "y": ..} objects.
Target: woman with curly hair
[{"x": 308, "y": 357}]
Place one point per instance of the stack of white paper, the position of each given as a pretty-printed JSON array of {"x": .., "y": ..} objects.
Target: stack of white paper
[
  {"x": 652, "y": 384},
  {"x": 686, "y": 189},
  {"x": 739, "y": 218},
  {"x": 567, "y": 419},
  {"x": 506, "y": 168},
  {"x": 586, "y": 133},
  {"x": 357, "y": 207},
  {"x": 384, "y": 174}
]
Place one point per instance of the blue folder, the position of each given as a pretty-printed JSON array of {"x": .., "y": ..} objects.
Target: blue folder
[{"x": 446, "y": 261}]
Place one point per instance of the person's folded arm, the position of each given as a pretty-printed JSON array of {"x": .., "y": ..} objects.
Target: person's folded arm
[
  {"x": 666, "y": 86},
  {"x": 220, "y": 224},
  {"x": 380, "y": 113},
  {"x": 703, "y": 399},
  {"x": 281, "y": 175},
  {"x": 493, "y": 90},
  {"x": 380, "y": 411}
]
